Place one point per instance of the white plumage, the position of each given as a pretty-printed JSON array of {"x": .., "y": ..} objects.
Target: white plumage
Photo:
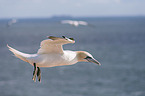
[
  {"x": 74, "y": 23},
  {"x": 52, "y": 54}
]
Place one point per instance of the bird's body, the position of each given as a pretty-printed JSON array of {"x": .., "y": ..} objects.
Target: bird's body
[
  {"x": 51, "y": 54},
  {"x": 51, "y": 60}
]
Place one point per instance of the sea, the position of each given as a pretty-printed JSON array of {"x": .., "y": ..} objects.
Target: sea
[{"x": 118, "y": 43}]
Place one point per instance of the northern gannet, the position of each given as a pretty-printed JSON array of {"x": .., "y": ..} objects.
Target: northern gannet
[
  {"x": 11, "y": 22},
  {"x": 74, "y": 23},
  {"x": 52, "y": 54}
]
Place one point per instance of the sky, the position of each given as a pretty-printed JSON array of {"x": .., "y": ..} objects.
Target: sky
[{"x": 77, "y": 8}]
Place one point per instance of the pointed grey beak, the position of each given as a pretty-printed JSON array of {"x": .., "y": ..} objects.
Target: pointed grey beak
[{"x": 90, "y": 59}]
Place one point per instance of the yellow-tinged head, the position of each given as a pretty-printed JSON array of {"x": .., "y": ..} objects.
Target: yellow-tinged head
[{"x": 84, "y": 56}]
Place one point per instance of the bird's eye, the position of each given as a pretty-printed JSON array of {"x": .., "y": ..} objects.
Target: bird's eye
[{"x": 88, "y": 57}]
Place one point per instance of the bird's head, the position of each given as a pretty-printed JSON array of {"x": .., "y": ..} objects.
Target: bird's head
[{"x": 84, "y": 56}]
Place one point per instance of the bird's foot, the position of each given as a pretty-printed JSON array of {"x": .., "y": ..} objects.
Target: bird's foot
[
  {"x": 34, "y": 72},
  {"x": 39, "y": 74}
]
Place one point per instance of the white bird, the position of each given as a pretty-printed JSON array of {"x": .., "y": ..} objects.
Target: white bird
[
  {"x": 74, "y": 23},
  {"x": 11, "y": 22},
  {"x": 52, "y": 54}
]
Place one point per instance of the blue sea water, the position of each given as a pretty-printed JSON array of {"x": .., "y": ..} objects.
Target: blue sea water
[{"x": 117, "y": 43}]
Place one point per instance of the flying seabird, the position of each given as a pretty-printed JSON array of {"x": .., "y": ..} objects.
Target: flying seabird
[
  {"x": 74, "y": 23},
  {"x": 11, "y": 22},
  {"x": 51, "y": 54}
]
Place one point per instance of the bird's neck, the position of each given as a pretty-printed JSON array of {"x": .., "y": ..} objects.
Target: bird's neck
[{"x": 70, "y": 56}]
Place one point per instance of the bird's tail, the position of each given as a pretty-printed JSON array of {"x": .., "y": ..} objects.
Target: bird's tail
[{"x": 19, "y": 54}]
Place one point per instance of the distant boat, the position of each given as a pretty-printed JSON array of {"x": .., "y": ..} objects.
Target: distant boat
[
  {"x": 74, "y": 23},
  {"x": 12, "y": 21}
]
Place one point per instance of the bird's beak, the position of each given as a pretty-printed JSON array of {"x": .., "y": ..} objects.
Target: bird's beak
[{"x": 90, "y": 59}]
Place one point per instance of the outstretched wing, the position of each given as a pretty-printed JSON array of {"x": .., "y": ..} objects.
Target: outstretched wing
[
  {"x": 67, "y": 22},
  {"x": 83, "y": 23},
  {"x": 54, "y": 44}
]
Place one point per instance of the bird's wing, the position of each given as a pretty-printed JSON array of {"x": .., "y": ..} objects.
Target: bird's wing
[
  {"x": 54, "y": 44},
  {"x": 66, "y": 21},
  {"x": 83, "y": 23}
]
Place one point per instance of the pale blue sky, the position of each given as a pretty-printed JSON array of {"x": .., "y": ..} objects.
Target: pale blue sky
[{"x": 48, "y": 8}]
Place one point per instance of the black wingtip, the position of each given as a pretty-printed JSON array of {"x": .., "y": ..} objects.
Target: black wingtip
[
  {"x": 63, "y": 36},
  {"x": 68, "y": 38},
  {"x": 71, "y": 38}
]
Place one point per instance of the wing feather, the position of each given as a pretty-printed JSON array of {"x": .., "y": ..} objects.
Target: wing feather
[
  {"x": 53, "y": 45},
  {"x": 83, "y": 23},
  {"x": 67, "y": 22}
]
